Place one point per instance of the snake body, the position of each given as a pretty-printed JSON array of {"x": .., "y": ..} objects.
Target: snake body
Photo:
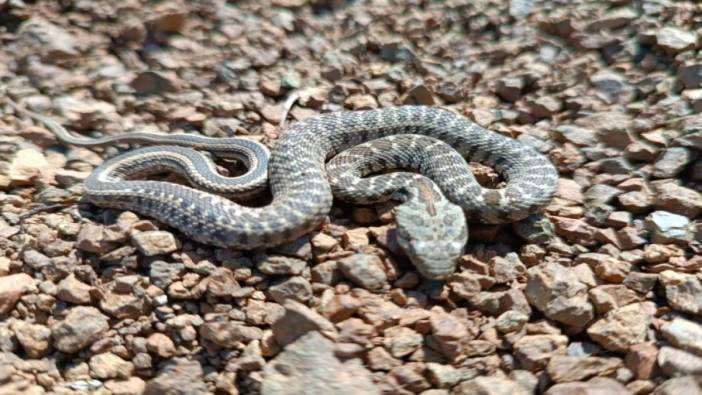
[{"x": 297, "y": 176}]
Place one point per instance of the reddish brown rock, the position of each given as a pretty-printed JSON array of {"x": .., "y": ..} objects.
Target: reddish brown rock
[
  {"x": 621, "y": 328},
  {"x": 556, "y": 291},
  {"x": 308, "y": 365},
  {"x": 12, "y": 288},
  {"x": 563, "y": 368},
  {"x": 448, "y": 333},
  {"x": 596, "y": 386}
]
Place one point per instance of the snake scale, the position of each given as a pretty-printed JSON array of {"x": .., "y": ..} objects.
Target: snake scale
[{"x": 431, "y": 141}]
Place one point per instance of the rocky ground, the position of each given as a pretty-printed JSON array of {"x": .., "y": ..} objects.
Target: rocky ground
[{"x": 104, "y": 301}]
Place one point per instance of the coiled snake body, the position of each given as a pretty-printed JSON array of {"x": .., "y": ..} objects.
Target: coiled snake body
[{"x": 430, "y": 228}]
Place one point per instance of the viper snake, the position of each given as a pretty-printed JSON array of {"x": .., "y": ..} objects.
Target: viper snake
[{"x": 431, "y": 225}]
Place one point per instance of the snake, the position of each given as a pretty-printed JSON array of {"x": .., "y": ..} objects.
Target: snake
[{"x": 431, "y": 223}]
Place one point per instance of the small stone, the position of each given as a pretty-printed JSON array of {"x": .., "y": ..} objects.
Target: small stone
[
  {"x": 92, "y": 238},
  {"x": 178, "y": 376},
  {"x": 683, "y": 291},
  {"x": 564, "y": 368},
  {"x": 641, "y": 151},
  {"x": 12, "y": 288},
  {"x": 511, "y": 321},
  {"x": 4, "y": 266},
  {"x": 544, "y": 106},
  {"x": 535, "y": 351},
  {"x": 606, "y": 267},
  {"x": 557, "y": 292},
  {"x": 601, "y": 194},
  {"x": 280, "y": 265},
  {"x": 694, "y": 97},
  {"x": 161, "y": 345},
  {"x": 690, "y": 75},
  {"x": 323, "y": 243},
  {"x": 379, "y": 358},
  {"x": 442, "y": 376},
  {"x": 596, "y": 386},
  {"x": 409, "y": 377},
  {"x": 251, "y": 359},
  {"x": 684, "y": 334},
  {"x": 636, "y": 202},
  {"x": 508, "y": 269},
  {"x": 272, "y": 113},
  {"x": 308, "y": 365},
  {"x": 490, "y": 385},
  {"x": 496, "y": 303},
  {"x": 365, "y": 270},
  {"x": 574, "y": 230},
  {"x": 35, "y": 260},
  {"x": 326, "y": 273},
  {"x": 641, "y": 360},
  {"x": 609, "y": 297},
  {"x": 356, "y": 239},
  {"x": 678, "y": 200},
  {"x": 53, "y": 42},
  {"x": 222, "y": 283},
  {"x": 641, "y": 282},
  {"x": 612, "y": 127},
  {"x": 612, "y": 86},
  {"x": 510, "y": 88},
  {"x": 419, "y": 94},
  {"x": 162, "y": 274},
  {"x": 668, "y": 227},
  {"x": 295, "y": 288},
  {"x": 630, "y": 238},
  {"x": 361, "y": 102},
  {"x": 123, "y": 305},
  {"x": 298, "y": 320},
  {"x": 674, "y": 362},
  {"x": 615, "y": 18},
  {"x": 679, "y": 386},
  {"x": 85, "y": 385},
  {"x": 672, "y": 161},
  {"x": 448, "y": 333},
  {"x": 340, "y": 307},
  {"x": 615, "y": 165},
  {"x": 619, "y": 219},
  {"x": 401, "y": 341},
  {"x": 155, "y": 242},
  {"x": 82, "y": 326},
  {"x": 621, "y": 328},
  {"x": 27, "y": 165},
  {"x": 227, "y": 334},
  {"x": 152, "y": 83},
  {"x": 35, "y": 339},
  {"x": 675, "y": 40},
  {"x": 354, "y": 330},
  {"x": 570, "y": 190},
  {"x": 109, "y": 366},
  {"x": 299, "y": 248},
  {"x": 130, "y": 386},
  {"x": 579, "y": 136},
  {"x": 74, "y": 291},
  {"x": 170, "y": 19},
  {"x": 567, "y": 158},
  {"x": 464, "y": 285}
]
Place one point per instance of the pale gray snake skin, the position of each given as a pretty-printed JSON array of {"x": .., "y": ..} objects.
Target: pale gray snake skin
[{"x": 301, "y": 191}]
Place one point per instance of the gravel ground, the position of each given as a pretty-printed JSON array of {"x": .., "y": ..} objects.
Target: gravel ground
[{"x": 108, "y": 302}]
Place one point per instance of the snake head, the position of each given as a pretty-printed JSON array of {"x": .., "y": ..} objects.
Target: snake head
[{"x": 431, "y": 230}]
